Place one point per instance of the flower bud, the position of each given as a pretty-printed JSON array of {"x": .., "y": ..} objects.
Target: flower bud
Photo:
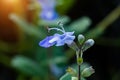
[
  {"x": 79, "y": 61},
  {"x": 81, "y": 38},
  {"x": 71, "y": 71},
  {"x": 88, "y": 44},
  {"x": 73, "y": 46},
  {"x": 87, "y": 72}
]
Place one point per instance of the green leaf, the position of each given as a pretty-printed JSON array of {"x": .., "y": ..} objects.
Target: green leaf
[
  {"x": 104, "y": 24},
  {"x": 66, "y": 77},
  {"x": 63, "y": 19},
  {"x": 26, "y": 66},
  {"x": 25, "y": 26},
  {"x": 64, "y": 5},
  {"x": 79, "y": 25},
  {"x": 83, "y": 78},
  {"x": 82, "y": 67},
  {"x": 58, "y": 60}
]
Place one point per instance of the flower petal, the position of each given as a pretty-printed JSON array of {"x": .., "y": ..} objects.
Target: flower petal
[
  {"x": 69, "y": 39},
  {"x": 69, "y": 33},
  {"x": 45, "y": 43},
  {"x": 58, "y": 40},
  {"x": 65, "y": 38}
]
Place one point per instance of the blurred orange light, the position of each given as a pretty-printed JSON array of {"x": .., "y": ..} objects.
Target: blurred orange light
[{"x": 9, "y": 31}]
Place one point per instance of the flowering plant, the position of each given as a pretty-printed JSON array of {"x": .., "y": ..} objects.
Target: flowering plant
[
  {"x": 58, "y": 39},
  {"x": 68, "y": 38}
]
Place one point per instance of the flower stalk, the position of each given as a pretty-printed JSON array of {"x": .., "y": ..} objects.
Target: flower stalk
[{"x": 79, "y": 62}]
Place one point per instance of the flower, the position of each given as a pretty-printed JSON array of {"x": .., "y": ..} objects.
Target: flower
[
  {"x": 48, "y": 9},
  {"x": 58, "y": 39},
  {"x": 49, "y": 15}
]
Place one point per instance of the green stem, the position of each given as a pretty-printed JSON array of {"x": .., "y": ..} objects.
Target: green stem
[
  {"x": 79, "y": 76},
  {"x": 78, "y": 63},
  {"x": 79, "y": 54}
]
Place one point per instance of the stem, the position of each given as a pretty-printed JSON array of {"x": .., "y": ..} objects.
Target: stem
[
  {"x": 49, "y": 29},
  {"x": 79, "y": 56},
  {"x": 79, "y": 76},
  {"x": 61, "y": 25}
]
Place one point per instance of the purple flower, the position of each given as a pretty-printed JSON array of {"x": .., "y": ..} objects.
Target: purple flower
[
  {"x": 48, "y": 9},
  {"x": 48, "y": 15},
  {"x": 58, "y": 40}
]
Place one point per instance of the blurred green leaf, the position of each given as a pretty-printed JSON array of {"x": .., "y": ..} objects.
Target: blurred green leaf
[
  {"x": 20, "y": 77},
  {"x": 104, "y": 24},
  {"x": 5, "y": 47},
  {"x": 4, "y": 59},
  {"x": 66, "y": 77},
  {"x": 41, "y": 54},
  {"x": 83, "y": 78},
  {"x": 84, "y": 65},
  {"x": 25, "y": 26},
  {"x": 63, "y": 19},
  {"x": 79, "y": 25},
  {"x": 27, "y": 66},
  {"x": 64, "y": 5},
  {"x": 58, "y": 60}
]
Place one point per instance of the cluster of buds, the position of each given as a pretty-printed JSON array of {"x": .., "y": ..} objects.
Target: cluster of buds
[
  {"x": 86, "y": 72},
  {"x": 83, "y": 46}
]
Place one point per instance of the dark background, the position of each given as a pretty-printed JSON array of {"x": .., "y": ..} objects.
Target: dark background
[{"x": 104, "y": 58}]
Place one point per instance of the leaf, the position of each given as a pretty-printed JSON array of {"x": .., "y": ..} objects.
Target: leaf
[
  {"x": 25, "y": 26},
  {"x": 63, "y": 19},
  {"x": 83, "y": 78},
  {"x": 79, "y": 25},
  {"x": 27, "y": 66},
  {"x": 58, "y": 60},
  {"x": 104, "y": 24},
  {"x": 66, "y": 77},
  {"x": 64, "y": 5}
]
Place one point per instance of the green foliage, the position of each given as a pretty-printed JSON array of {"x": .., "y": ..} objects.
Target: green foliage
[
  {"x": 27, "y": 66},
  {"x": 79, "y": 25},
  {"x": 63, "y": 19},
  {"x": 66, "y": 77},
  {"x": 25, "y": 26},
  {"x": 64, "y": 5}
]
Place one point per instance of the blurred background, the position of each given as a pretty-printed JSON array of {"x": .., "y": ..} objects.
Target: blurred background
[{"x": 23, "y": 24}]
